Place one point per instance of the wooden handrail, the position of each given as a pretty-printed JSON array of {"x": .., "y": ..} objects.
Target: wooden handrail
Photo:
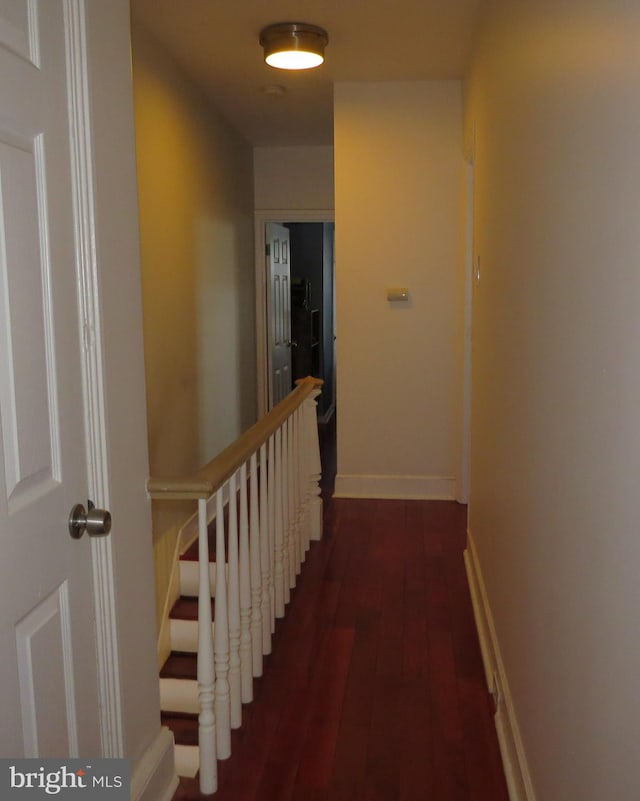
[
  {"x": 259, "y": 549},
  {"x": 204, "y": 482}
]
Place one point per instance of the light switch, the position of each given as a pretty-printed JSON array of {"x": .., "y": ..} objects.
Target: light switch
[{"x": 397, "y": 293}]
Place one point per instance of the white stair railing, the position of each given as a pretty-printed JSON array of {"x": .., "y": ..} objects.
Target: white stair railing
[{"x": 270, "y": 477}]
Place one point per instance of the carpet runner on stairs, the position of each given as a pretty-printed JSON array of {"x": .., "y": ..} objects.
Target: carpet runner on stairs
[{"x": 178, "y": 678}]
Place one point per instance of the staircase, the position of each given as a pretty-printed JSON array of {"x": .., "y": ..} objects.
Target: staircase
[
  {"x": 263, "y": 493},
  {"x": 178, "y": 678}
]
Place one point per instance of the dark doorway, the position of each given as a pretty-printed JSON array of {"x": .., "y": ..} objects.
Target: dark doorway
[{"x": 312, "y": 307}]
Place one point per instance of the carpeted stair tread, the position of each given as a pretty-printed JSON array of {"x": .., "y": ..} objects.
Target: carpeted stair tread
[
  {"x": 186, "y": 608},
  {"x": 180, "y": 666},
  {"x": 183, "y": 726}
]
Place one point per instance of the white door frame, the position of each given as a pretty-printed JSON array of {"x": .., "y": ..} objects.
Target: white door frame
[
  {"x": 261, "y": 218},
  {"x": 92, "y": 370}
]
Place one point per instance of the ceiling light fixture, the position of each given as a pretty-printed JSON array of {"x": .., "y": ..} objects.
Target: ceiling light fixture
[{"x": 294, "y": 45}]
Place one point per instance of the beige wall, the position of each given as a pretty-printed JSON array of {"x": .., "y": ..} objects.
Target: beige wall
[
  {"x": 399, "y": 178},
  {"x": 195, "y": 176},
  {"x": 293, "y": 178},
  {"x": 556, "y": 393},
  {"x": 196, "y": 204}
]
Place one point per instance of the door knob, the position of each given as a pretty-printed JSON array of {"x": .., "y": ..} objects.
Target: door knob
[{"x": 96, "y": 522}]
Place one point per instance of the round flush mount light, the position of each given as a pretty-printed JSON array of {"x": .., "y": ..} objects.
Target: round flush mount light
[{"x": 294, "y": 45}]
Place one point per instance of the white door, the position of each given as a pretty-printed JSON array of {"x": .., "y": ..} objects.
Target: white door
[
  {"x": 279, "y": 311},
  {"x": 48, "y": 666}
]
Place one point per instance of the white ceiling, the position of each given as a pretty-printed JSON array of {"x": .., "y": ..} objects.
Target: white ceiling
[{"x": 216, "y": 42}]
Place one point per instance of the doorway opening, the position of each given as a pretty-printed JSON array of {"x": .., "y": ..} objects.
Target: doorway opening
[{"x": 295, "y": 305}]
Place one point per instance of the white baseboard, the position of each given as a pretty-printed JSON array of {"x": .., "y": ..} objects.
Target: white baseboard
[
  {"x": 428, "y": 488},
  {"x": 154, "y": 776},
  {"x": 511, "y": 748}
]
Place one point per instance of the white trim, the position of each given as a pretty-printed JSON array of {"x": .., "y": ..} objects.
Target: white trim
[
  {"x": 482, "y": 626},
  {"x": 261, "y": 218},
  {"x": 154, "y": 777},
  {"x": 92, "y": 369},
  {"x": 512, "y": 750},
  {"x": 431, "y": 488}
]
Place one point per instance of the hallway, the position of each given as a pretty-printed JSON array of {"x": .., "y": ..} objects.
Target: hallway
[{"x": 379, "y": 662}]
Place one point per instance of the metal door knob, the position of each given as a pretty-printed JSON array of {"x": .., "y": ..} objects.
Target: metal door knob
[{"x": 96, "y": 522}]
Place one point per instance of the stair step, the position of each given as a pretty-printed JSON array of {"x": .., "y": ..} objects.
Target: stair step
[
  {"x": 184, "y": 635},
  {"x": 190, "y": 577},
  {"x": 186, "y": 608},
  {"x": 180, "y": 666},
  {"x": 179, "y": 695},
  {"x": 183, "y": 625},
  {"x": 187, "y": 760},
  {"x": 184, "y": 727}
]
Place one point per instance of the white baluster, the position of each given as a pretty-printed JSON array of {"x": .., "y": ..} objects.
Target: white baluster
[
  {"x": 221, "y": 639},
  {"x": 285, "y": 510},
  {"x": 305, "y": 492},
  {"x": 291, "y": 501},
  {"x": 265, "y": 561},
  {"x": 278, "y": 570},
  {"x": 305, "y": 524},
  {"x": 314, "y": 466},
  {"x": 207, "y": 718},
  {"x": 246, "y": 664},
  {"x": 234, "y": 609},
  {"x": 271, "y": 484},
  {"x": 254, "y": 556},
  {"x": 300, "y": 548}
]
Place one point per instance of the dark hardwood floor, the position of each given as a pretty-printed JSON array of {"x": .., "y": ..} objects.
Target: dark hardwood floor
[{"x": 375, "y": 689}]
